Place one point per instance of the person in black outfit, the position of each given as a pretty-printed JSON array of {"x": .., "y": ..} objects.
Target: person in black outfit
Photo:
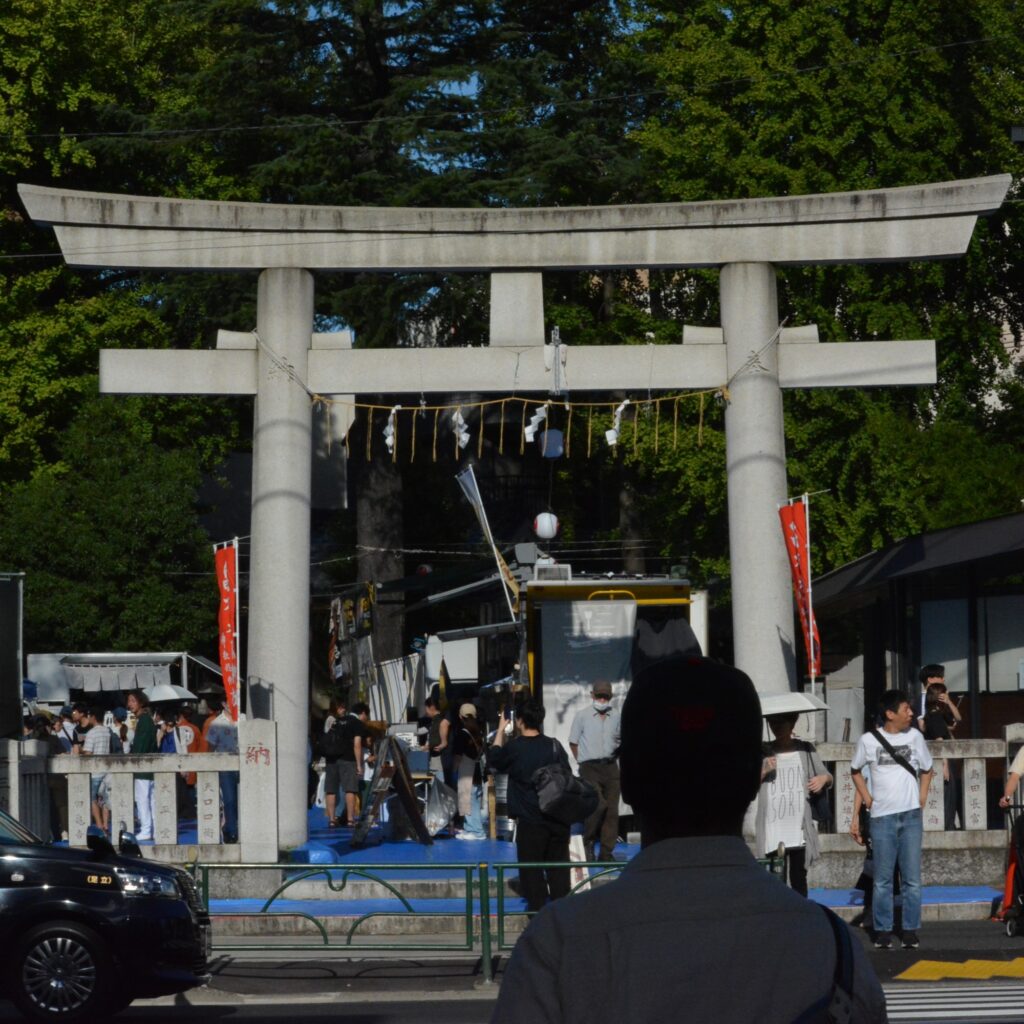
[
  {"x": 938, "y": 725},
  {"x": 344, "y": 751},
  {"x": 538, "y": 837}
]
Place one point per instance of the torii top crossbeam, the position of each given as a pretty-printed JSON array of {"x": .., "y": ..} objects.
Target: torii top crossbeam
[
  {"x": 743, "y": 237},
  {"x": 918, "y": 222}
]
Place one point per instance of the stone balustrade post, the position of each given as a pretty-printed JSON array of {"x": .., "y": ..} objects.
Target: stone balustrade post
[{"x": 844, "y": 792}]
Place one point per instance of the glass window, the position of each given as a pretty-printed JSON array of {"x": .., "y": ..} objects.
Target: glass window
[
  {"x": 14, "y": 833},
  {"x": 1000, "y": 641},
  {"x": 944, "y": 638}
]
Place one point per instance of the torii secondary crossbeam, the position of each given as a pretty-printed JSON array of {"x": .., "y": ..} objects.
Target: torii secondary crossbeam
[{"x": 745, "y": 238}]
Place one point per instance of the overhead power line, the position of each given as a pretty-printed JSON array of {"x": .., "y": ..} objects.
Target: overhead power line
[{"x": 873, "y": 56}]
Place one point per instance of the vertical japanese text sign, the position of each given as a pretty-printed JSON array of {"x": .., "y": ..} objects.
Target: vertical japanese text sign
[{"x": 794, "y": 527}]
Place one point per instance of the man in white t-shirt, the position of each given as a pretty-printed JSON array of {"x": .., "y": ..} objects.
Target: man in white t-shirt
[{"x": 901, "y": 773}]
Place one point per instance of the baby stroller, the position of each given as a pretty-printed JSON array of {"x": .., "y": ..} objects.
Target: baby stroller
[{"x": 1012, "y": 910}]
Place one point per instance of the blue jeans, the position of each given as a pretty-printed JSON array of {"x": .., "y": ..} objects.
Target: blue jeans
[
  {"x": 474, "y": 821},
  {"x": 897, "y": 837}
]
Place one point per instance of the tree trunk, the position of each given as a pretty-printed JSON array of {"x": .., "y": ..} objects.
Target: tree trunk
[{"x": 631, "y": 530}]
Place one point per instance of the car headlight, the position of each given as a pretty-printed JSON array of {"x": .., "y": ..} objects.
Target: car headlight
[{"x": 145, "y": 883}]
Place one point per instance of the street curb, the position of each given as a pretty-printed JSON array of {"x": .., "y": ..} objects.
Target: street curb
[{"x": 199, "y": 997}]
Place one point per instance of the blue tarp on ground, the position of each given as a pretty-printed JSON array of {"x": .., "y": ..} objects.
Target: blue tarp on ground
[{"x": 333, "y": 846}]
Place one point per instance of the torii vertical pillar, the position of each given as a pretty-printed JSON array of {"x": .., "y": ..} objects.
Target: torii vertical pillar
[
  {"x": 755, "y": 454},
  {"x": 278, "y": 647}
]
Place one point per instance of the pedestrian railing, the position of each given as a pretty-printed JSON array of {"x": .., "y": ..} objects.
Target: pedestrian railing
[
  {"x": 592, "y": 871},
  {"x": 482, "y": 917},
  {"x": 30, "y": 773},
  {"x": 968, "y": 758},
  {"x": 339, "y": 930}
]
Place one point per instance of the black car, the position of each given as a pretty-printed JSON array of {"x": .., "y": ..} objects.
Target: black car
[{"x": 84, "y": 932}]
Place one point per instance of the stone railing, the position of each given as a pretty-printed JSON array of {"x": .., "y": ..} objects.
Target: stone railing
[
  {"x": 970, "y": 755},
  {"x": 256, "y": 764}
]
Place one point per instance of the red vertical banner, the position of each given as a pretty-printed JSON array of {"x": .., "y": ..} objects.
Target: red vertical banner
[
  {"x": 226, "y": 562},
  {"x": 794, "y": 528}
]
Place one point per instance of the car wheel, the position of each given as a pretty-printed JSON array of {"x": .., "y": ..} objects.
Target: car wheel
[{"x": 61, "y": 971}]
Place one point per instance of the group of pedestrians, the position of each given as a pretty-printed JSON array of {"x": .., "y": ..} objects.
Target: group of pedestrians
[
  {"x": 138, "y": 728},
  {"x": 460, "y": 756},
  {"x": 693, "y": 926},
  {"x": 689, "y": 919}
]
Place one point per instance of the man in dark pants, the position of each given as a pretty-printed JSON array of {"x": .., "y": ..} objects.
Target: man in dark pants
[
  {"x": 538, "y": 837},
  {"x": 594, "y": 742}
]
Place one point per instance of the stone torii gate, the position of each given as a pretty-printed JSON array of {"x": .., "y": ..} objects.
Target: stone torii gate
[{"x": 745, "y": 238}]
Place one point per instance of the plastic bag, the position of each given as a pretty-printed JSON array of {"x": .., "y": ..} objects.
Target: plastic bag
[{"x": 440, "y": 807}]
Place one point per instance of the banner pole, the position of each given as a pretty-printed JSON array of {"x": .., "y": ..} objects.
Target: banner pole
[
  {"x": 238, "y": 633},
  {"x": 806, "y": 498}
]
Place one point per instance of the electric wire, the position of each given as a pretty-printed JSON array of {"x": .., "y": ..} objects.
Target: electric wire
[{"x": 877, "y": 55}]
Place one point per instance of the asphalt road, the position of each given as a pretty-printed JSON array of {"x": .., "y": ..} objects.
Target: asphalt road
[
  {"x": 298, "y": 1012},
  {"x": 974, "y": 971}
]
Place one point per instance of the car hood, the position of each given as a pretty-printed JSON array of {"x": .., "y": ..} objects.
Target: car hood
[{"x": 76, "y": 855}]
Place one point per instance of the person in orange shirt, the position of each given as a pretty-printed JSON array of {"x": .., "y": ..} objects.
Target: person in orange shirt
[{"x": 188, "y": 739}]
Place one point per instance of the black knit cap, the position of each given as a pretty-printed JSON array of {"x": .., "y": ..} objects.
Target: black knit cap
[{"x": 691, "y": 740}]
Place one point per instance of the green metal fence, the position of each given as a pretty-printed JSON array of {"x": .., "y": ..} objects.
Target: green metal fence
[
  {"x": 484, "y": 884},
  {"x": 337, "y": 877}
]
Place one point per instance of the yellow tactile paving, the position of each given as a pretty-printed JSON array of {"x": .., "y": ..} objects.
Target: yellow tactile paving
[{"x": 974, "y": 970}]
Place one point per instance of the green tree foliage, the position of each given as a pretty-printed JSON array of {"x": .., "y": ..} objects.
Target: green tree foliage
[
  {"x": 514, "y": 102},
  {"x": 109, "y": 541},
  {"x": 101, "y": 539},
  {"x": 768, "y": 98}
]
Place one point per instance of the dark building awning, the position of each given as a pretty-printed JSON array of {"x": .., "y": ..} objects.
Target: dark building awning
[{"x": 940, "y": 549}]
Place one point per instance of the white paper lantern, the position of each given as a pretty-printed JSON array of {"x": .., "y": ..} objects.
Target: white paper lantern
[{"x": 546, "y": 525}]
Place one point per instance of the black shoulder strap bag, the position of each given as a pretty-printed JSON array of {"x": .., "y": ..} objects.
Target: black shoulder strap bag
[
  {"x": 898, "y": 758},
  {"x": 836, "y": 1006}
]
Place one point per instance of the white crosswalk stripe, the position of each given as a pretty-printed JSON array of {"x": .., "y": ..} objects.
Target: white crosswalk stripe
[{"x": 999, "y": 1001}]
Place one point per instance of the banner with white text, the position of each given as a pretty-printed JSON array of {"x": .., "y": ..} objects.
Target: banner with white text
[{"x": 226, "y": 561}]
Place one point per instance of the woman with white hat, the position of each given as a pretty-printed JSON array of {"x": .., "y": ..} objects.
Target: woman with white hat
[{"x": 468, "y": 750}]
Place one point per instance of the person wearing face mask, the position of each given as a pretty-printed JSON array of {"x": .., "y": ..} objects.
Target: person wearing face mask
[{"x": 594, "y": 742}]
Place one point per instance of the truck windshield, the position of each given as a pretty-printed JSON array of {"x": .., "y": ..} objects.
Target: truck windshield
[{"x": 13, "y": 833}]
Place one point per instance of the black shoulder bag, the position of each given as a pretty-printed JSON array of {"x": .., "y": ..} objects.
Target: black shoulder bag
[{"x": 836, "y": 1007}]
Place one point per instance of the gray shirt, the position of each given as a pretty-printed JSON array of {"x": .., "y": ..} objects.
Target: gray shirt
[
  {"x": 596, "y": 733},
  {"x": 692, "y": 930}
]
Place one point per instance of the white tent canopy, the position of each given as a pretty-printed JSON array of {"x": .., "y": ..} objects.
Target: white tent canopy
[{"x": 58, "y": 674}]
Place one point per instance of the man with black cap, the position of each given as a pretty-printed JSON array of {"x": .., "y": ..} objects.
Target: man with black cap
[
  {"x": 594, "y": 742},
  {"x": 693, "y": 928}
]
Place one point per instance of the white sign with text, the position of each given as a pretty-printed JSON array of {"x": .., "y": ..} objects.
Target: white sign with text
[{"x": 785, "y": 797}]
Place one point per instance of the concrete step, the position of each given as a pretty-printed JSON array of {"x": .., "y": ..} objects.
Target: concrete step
[
  {"x": 442, "y": 926},
  {"x": 450, "y": 922},
  {"x": 360, "y": 888}
]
